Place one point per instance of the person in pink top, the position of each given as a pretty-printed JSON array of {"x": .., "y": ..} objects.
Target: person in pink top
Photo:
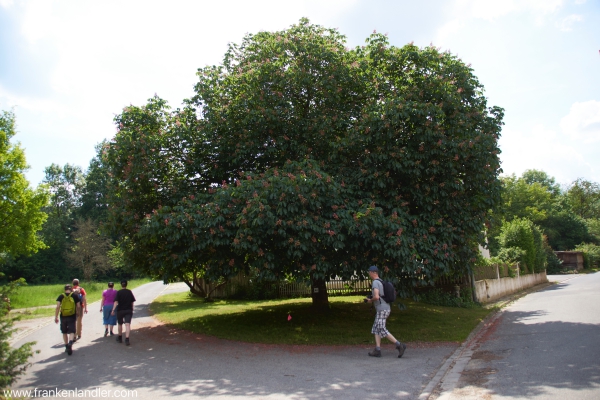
[{"x": 106, "y": 306}]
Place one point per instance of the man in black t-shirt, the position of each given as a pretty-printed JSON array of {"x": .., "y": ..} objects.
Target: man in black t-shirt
[
  {"x": 69, "y": 309},
  {"x": 124, "y": 306}
]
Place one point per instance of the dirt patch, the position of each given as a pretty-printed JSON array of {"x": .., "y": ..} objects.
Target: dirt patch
[
  {"x": 476, "y": 377},
  {"x": 485, "y": 356}
]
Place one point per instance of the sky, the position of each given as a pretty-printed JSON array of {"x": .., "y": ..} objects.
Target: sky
[{"x": 68, "y": 67}]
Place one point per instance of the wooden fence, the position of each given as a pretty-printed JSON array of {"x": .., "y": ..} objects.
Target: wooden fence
[{"x": 337, "y": 287}]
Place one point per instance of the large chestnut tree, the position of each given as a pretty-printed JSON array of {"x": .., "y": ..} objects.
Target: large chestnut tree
[{"x": 298, "y": 156}]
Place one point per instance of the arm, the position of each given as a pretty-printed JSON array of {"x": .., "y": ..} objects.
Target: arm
[
  {"x": 56, "y": 312},
  {"x": 102, "y": 303},
  {"x": 375, "y": 294},
  {"x": 84, "y": 303},
  {"x": 114, "y": 307},
  {"x": 78, "y": 308}
]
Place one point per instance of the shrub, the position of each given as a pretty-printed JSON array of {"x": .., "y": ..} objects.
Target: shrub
[
  {"x": 591, "y": 254},
  {"x": 522, "y": 241},
  {"x": 13, "y": 361}
]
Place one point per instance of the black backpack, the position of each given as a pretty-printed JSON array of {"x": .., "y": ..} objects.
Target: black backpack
[{"x": 389, "y": 291}]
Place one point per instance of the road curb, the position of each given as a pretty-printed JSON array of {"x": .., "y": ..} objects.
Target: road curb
[{"x": 446, "y": 379}]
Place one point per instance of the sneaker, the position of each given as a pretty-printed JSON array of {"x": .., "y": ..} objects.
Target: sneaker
[
  {"x": 375, "y": 353},
  {"x": 401, "y": 348},
  {"x": 119, "y": 339},
  {"x": 105, "y": 332},
  {"x": 126, "y": 341},
  {"x": 112, "y": 333},
  {"x": 78, "y": 337},
  {"x": 69, "y": 348}
]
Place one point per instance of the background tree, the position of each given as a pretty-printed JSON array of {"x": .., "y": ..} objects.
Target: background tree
[
  {"x": 584, "y": 198},
  {"x": 300, "y": 157},
  {"x": 93, "y": 193},
  {"x": 535, "y": 196},
  {"x": 21, "y": 215},
  {"x": 89, "y": 250},
  {"x": 65, "y": 185}
]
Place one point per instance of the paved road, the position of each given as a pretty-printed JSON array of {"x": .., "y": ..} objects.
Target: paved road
[
  {"x": 544, "y": 346},
  {"x": 164, "y": 363}
]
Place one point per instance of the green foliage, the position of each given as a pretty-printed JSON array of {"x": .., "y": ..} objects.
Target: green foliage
[
  {"x": 532, "y": 176},
  {"x": 553, "y": 263},
  {"x": 520, "y": 240},
  {"x": 13, "y": 361},
  {"x": 21, "y": 215},
  {"x": 299, "y": 157},
  {"x": 593, "y": 227},
  {"x": 565, "y": 230},
  {"x": 537, "y": 197},
  {"x": 93, "y": 194},
  {"x": 439, "y": 297},
  {"x": 511, "y": 254},
  {"x": 591, "y": 254},
  {"x": 584, "y": 198}
]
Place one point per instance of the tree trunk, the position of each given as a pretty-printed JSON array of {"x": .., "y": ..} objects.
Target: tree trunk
[{"x": 318, "y": 290}]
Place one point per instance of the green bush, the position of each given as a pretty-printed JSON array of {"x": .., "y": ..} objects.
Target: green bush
[
  {"x": 553, "y": 263},
  {"x": 522, "y": 241},
  {"x": 591, "y": 254}
]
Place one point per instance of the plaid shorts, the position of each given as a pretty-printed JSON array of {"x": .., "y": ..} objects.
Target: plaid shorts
[{"x": 379, "y": 324}]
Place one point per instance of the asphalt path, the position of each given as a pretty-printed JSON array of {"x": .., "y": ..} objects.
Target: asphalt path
[
  {"x": 544, "y": 346},
  {"x": 166, "y": 363}
]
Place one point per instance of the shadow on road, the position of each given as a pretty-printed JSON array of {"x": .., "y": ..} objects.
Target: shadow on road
[
  {"x": 524, "y": 357},
  {"x": 165, "y": 362}
]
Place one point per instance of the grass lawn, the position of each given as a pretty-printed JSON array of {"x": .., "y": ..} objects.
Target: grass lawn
[
  {"x": 348, "y": 321},
  {"x": 45, "y": 295}
]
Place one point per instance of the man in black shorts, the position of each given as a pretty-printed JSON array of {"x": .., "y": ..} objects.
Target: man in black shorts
[
  {"x": 124, "y": 306},
  {"x": 69, "y": 306}
]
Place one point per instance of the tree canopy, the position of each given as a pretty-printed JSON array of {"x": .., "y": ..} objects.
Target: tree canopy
[
  {"x": 21, "y": 216},
  {"x": 299, "y": 157}
]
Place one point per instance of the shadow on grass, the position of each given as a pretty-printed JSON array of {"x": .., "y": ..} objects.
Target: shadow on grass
[{"x": 347, "y": 322}]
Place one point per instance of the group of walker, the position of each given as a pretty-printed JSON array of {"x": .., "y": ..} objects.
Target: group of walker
[{"x": 116, "y": 307}]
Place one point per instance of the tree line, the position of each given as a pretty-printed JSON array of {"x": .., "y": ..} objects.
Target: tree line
[
  {"x": 53, "y": 233},
  {"x": 538, "y": 216}
]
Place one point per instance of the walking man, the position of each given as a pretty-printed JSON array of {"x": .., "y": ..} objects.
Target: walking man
[
  {"x": 383, "y": 312},
  {"x": 124, "y": 306},
  {"x": 69, "y": 306},
  {"x": 78, "y": 290}
]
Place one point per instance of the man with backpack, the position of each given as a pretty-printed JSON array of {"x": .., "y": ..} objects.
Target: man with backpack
[
  {"x": 69, "y": 306},
  {"x": 80, "y": 292},
  {"x": 382, "y": 307},
  {"x": 124, "y": 306}
]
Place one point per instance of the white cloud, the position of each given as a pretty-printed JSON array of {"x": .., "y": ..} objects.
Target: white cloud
[
  {"x": 583, "y": 122},
  {"x": 567, "y": 23},
  {"x": 493, "y": 9},
  {"x": 542, "y": 148},
  {"x": 35, "y": 104},
  {"x": 6, "y": 3}
]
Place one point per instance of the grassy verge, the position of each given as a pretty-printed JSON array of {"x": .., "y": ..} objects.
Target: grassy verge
[
  {"x": 348, "y": 321},
  {"x": 45, "y": 295}
]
